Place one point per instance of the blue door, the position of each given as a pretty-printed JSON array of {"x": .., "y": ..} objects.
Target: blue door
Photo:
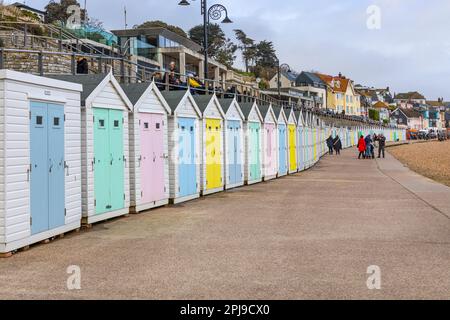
[
  {"x": 56, "y": 166},
  {"x": 282, "y": 148},
  {"x": 39, "y": 168},
  {"x": 237, "y": 152},
  {"x": 186, "y": 155},
  {"x": 234, "y": 165},
  {"x": 47, "y": 196}
]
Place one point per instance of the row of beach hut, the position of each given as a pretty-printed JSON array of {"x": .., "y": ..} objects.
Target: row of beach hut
[{"x": 84, "y": 149}]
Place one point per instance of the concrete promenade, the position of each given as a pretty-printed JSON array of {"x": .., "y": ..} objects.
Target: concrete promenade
[{"x": 308, "y": 236}]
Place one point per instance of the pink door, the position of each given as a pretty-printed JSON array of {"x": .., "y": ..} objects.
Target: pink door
[{"x": 152, "y": 157}]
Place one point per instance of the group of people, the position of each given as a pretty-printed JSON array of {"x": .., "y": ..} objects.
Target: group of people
[
  {"x": 366, "y": 146},
  {"x": 334, "y": 145}
]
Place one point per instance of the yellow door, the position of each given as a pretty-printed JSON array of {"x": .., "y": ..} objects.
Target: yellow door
[
  {"x": 213, "y": 154},
  {"x": 292, "y": 149}
]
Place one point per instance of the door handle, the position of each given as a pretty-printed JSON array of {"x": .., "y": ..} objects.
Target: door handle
[
  {"x": 29, "y": 172},
  {"x": 66, "y": 166},
  {"x": 51, "y": 166},
  {"x": 139, "y": 160}
]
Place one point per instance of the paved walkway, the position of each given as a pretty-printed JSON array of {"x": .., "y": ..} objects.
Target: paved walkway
[{"x": 312, "y": 235}]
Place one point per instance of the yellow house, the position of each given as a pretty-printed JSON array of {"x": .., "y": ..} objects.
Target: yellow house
[{"x": 341, "y": 95}]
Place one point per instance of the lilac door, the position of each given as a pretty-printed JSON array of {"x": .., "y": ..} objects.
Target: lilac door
[{"x": 152, "y": 157}]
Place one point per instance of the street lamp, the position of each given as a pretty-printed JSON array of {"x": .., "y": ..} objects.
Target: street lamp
[
  {"x": 285, "y": 67},
  {"x": 215, "y": 12}
]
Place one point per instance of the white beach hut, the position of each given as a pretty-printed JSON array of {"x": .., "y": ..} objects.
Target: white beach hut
[
  {"x": 184, "y": 146},
  {"x": 105, "y": 146},
  {"x": 234, "y": 143},
  {"x": 40, "y": 157},
  {"x": 149, "y": 147}
]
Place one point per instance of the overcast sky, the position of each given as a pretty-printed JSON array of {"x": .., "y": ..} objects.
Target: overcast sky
[{"x": 410, "y": 52}]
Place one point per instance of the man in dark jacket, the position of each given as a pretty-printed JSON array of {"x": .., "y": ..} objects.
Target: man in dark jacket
[
  {"x": 337, "y": 144},
  {"x": 330, "y": 145},
  {"x": 82, "y": 66},
  {"x": 381, "y": 145}
]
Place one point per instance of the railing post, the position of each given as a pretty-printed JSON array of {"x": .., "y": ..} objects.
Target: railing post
[
  {"x": 122, "y": 69},
  {"x": 25, "y": 35},
  {"x": 2, "y": 59},
  {"x": 40, "y": 64},
  {"x": 100, "y": 65},
  {"x": 60, "y": 38},
  {"x": 73, "y": 64}
]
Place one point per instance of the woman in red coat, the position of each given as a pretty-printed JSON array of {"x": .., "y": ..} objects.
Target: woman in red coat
[{"x": 362, "y": 147}]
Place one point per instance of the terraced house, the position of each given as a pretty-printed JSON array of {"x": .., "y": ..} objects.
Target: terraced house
[{"x": 341, "y": 95}]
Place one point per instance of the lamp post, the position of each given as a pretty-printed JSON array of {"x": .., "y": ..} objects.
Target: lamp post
[
  {"x": 215, "y": 12},
  {"x": 284, "y": 67}
]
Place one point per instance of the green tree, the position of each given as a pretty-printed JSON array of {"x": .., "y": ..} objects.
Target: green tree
[
  {"x": 266, "y": 55},
  {"x": 221, "y": 48},
  {"x": 247, "y": 47},
  {"x": 57, "y": 11},
  {"x": 161, "y": 24}
]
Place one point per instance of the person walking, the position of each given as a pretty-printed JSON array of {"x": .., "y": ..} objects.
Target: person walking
[
  {"x": 337, "y": 144},
  {"x": 370, "y": 154},
  {"x": 381, "y": 145},
  {"x": 361, "y": 147},
  {"x": 330, "y": 145}
]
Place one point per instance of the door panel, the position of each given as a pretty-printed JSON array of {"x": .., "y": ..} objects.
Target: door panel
[
  {"x": 117, "y": 159},
  {"x": 237, "y": 151},
  {"x": 231, "y": 136},
  {"x": 39, "y": 167},
  {"x": 282, "y": 150},
  {"x": 146, "y": 157},
  {"x": 56, "y": 166},
  {"x": 187, "y": 173},
  {"x": 183, "y": 157},
  {"x": 254, "y": 147},
  {"x": 213, "y": 161},
  {"x": 292, "y": 148},
  {"x": 102, "y": 159},
  {"x": 158, "y": 185},
  {"x": 192, "y": 162}
]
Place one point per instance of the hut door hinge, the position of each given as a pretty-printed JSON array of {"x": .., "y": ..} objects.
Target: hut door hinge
[
  {"x": 142, "y": 194},
  {"x": 123, "y": 120},
  {"x": 29, "y": 115},
  {"x": 165, "y": 189},
  {"x": 31, "y": 221},
  {"x": 65, "y": 212},
  {"x": 64, "y": 117},
  {"x": 95, "y": 202},
  {"x": 124, "y": 197},
  {"x": 93, "y": 119}
]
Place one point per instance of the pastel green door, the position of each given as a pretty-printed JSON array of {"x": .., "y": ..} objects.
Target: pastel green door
[
  {"x": 108, "y": 160},
  {"x": 254, "y": 145},
  {"x": 117, "y": 160}
]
